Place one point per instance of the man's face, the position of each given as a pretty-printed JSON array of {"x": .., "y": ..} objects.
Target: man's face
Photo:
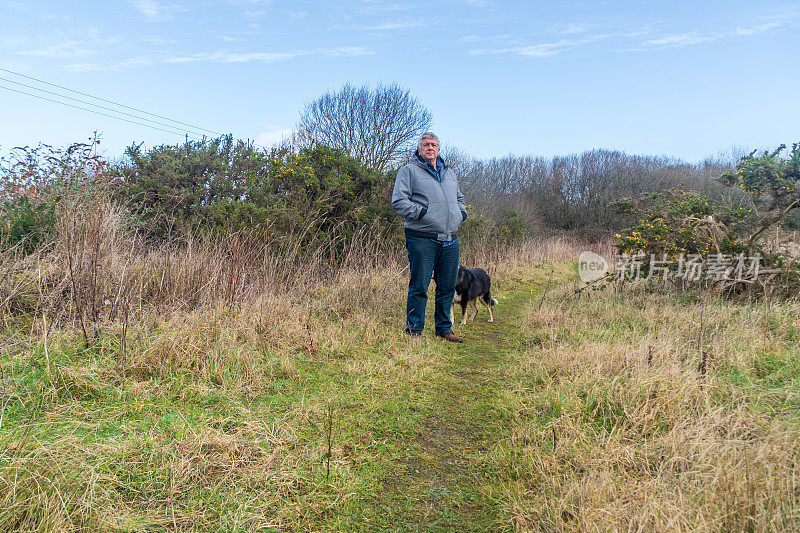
[{"x": 429, "y": 150}]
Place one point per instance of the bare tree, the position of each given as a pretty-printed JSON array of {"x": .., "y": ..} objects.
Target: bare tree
[
  {"x": 581, "y": 190},
  {"x": 378, "y": 126}
]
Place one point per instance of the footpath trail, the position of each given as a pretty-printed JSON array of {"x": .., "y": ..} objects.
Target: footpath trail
[{"x": 444, "y": 483}]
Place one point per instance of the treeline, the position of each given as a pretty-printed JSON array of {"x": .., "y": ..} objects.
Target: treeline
[{"x": 580, "y": 191}]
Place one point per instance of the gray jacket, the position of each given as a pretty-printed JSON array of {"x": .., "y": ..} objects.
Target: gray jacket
[{"x": 428, "y": 206}]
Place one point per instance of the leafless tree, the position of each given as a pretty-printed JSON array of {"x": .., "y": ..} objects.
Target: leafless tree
[
  {"x": 378, "y": 126},
  {"x": 580, "y": 190}
]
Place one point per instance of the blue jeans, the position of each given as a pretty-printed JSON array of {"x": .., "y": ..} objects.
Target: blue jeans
[{"x": 427, "y": 257}]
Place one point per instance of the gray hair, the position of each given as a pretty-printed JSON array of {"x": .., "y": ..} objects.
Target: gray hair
[{"x": 427, "y": 135}]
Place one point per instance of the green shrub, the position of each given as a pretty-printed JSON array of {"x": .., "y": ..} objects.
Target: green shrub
[
  {"x": 506, "y": 227},
  {"x": 773, "y": 184},
  {"x": 26, "y": 221},
  {"x": 40, "y": 184},
  {"x": 223, "y": 186},
  {"x": 681, "y": 222},
  {"x": 511, "y": 226}
]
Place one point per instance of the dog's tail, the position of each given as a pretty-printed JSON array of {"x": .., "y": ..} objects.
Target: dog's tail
[{"x": 488, "y": 300}]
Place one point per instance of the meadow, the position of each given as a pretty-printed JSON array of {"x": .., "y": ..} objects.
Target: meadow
[{"x": 215, "y": 385}]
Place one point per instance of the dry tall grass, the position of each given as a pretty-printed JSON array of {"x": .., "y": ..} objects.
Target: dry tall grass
[{"x": 647, "y": 412}]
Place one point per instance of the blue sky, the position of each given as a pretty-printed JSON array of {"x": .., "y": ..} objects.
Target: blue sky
[{"x": 685, "y": 79}]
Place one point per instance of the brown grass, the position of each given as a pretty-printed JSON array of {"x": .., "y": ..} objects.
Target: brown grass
[{"x": 620, "y": 429}]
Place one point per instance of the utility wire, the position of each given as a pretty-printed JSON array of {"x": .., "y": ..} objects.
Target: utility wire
[
  {"x": 109, "y": 101},
  {"x": 96, "y": 112},
  {"x": 96, "y": 105}
]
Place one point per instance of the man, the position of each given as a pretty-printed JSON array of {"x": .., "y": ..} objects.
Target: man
[{"x": 427, "y": 196}]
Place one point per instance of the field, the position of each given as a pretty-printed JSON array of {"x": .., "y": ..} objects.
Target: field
[{"x": 215, "y": 402}]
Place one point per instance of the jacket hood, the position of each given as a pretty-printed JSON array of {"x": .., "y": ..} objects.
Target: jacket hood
[{"x": 421, "y": 161}]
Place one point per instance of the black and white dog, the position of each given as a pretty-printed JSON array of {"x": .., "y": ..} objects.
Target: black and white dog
[{"x": 473, "y": 284}]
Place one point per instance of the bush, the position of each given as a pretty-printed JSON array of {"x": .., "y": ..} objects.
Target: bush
[
  {"x": 681, "y": 222},
  {"x": 773, "y": 184},
  {"x": 39, "y": 184},
  {"x": 508, "y": 227},
  {"x": 26, "y": 222},
  {"x": 222, "y": 186},
  {"x": 172, "y": 187}
]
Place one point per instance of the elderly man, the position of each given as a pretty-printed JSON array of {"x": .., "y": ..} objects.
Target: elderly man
[{"x": 427, "y": 196}]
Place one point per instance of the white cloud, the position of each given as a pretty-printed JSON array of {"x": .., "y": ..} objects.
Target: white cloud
[
  {"x": 148, "y": 8},
  {"x": 137, "y": 62},
  {"x": 142, "y": 61},
  {"x": 761, "y": 28},
  {"x": 255, "y": 14},
  {"x": 344, "y": 51},
  {"x": 398, "y": 25},
  {"x": 156, "y": 11},
  {"x": 542, "y": 50},
  {"x": 157, "y": 40},
  {"x": 230, "y": 57},
  {"x": 682, "y": 39},
  {"x": 91, "y": 67},
  {"x": 695, "y": 37},
  {"x": 639, "y": 41},
  {"x": 215, "y": 57},
  {"x": 13, "y": 42},
  {"x": 53, "y": 16},
  {"x": 267, "y": 57},
  {"x": 66, "y": 49},
  {"x": 574, "y": 28},
  {"x": 273, "y": 136}
]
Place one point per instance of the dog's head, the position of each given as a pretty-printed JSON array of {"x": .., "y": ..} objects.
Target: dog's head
[{"x": 463, "y": 278}]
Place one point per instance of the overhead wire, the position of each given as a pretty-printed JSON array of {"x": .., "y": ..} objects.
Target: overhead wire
[
  {"x": 108, "y": 101},
  {"x": 98, "y": 106},
  {"x": 181, "y": 133}
]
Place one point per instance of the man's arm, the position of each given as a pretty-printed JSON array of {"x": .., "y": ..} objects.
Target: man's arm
[
  {"x": 401, "y": 197},
  {"x": 461, "y": 204}
]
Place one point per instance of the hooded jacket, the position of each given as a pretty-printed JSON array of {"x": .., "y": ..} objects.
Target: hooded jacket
[{"x": 430, "y": 206}]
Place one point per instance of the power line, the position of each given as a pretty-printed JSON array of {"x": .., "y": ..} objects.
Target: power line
[
  {"x": 96, "y": 112},
  {"x": 95, "y": 105},
  {"x": 109, "y": 101}
]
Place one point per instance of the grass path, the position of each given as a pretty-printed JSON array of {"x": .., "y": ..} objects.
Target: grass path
[{"x": 444, "y": 483}]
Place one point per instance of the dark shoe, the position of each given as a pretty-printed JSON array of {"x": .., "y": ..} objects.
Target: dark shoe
[
  {"x": 450, "y": 336},
  {"x": 414, "y": 336}
]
